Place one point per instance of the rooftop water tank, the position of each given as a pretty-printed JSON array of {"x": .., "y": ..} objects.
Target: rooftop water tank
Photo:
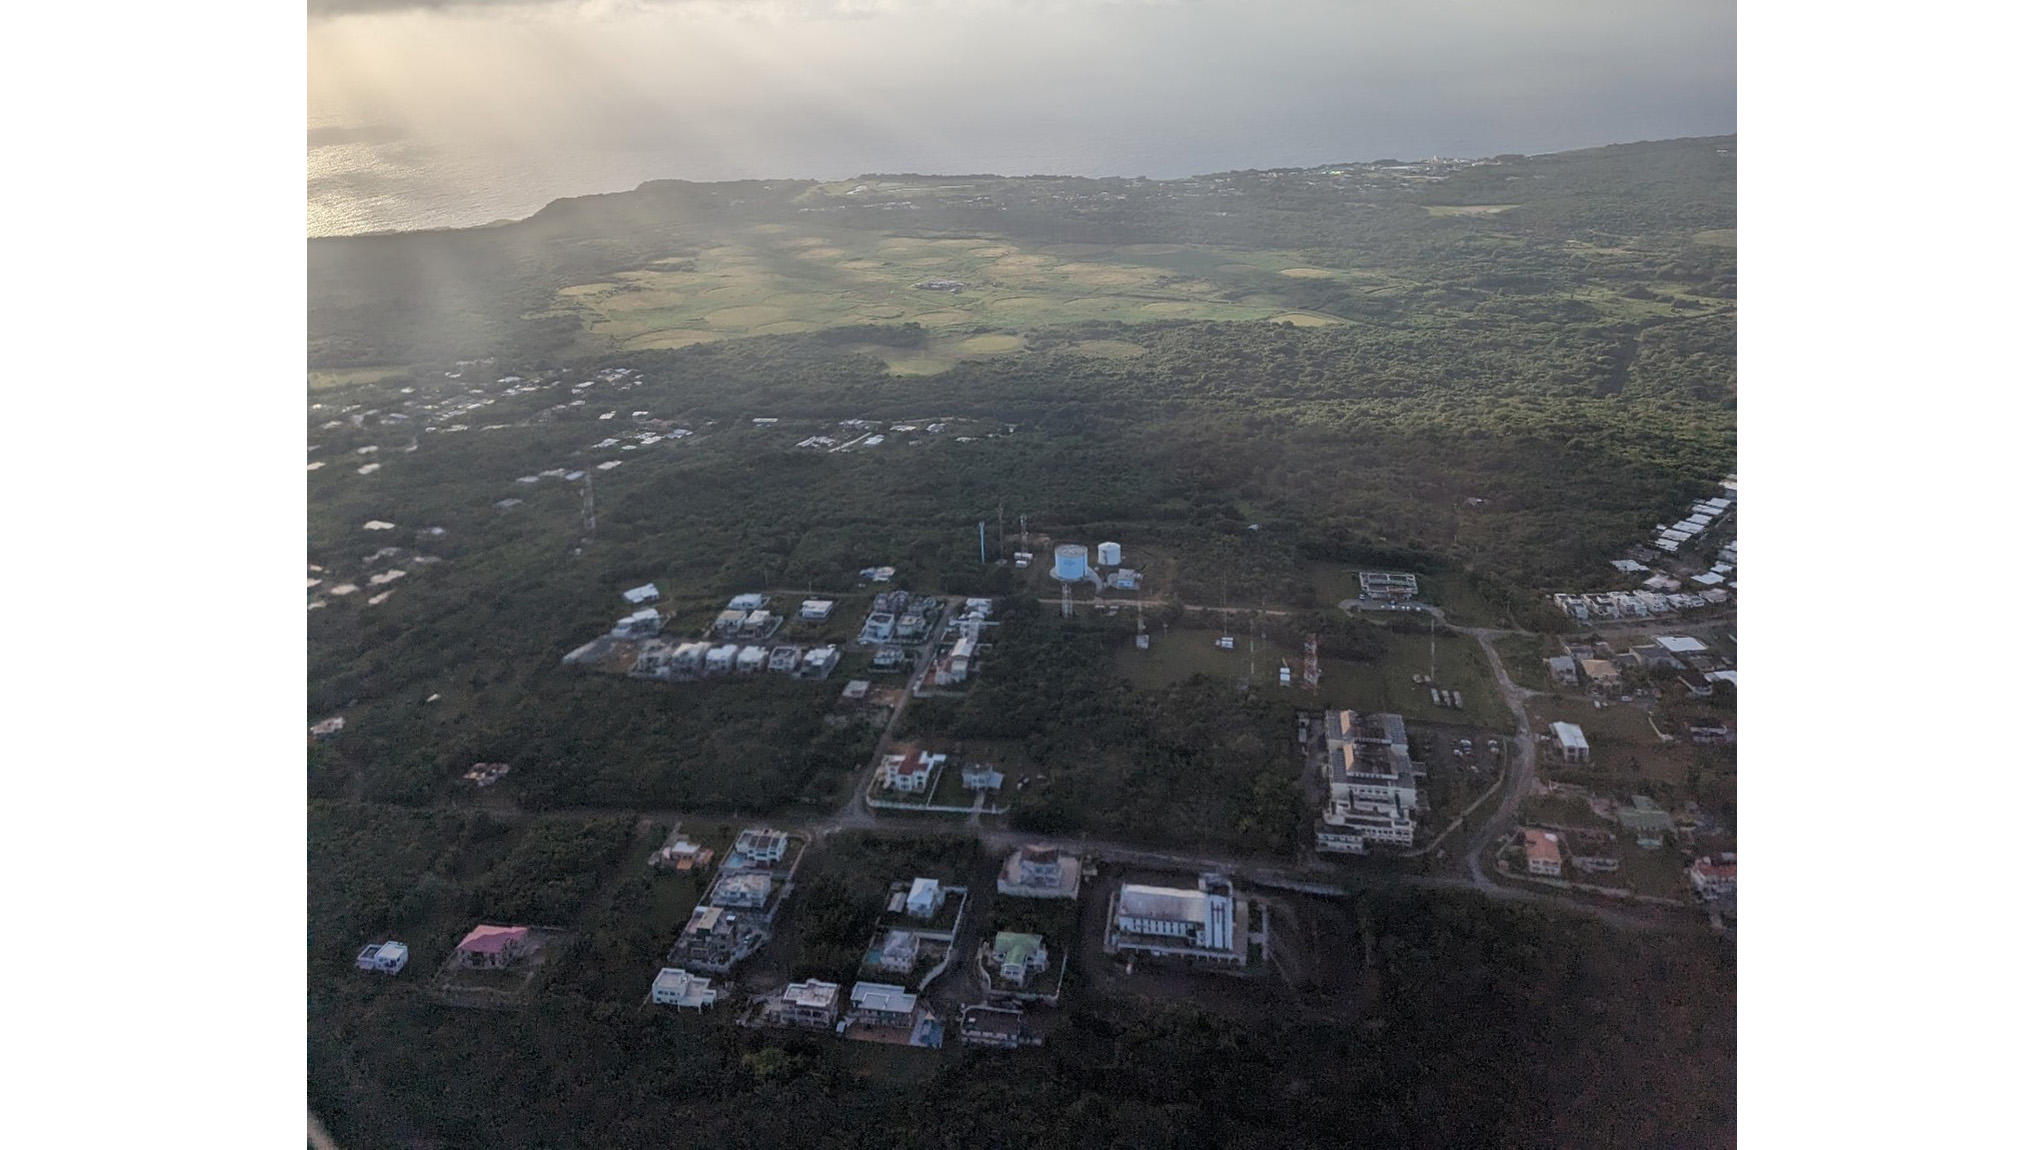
[
  {"x": 1071, "y": 563},
  {"x": 1110, "y": 554}
]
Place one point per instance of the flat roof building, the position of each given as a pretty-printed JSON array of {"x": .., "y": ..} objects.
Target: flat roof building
[
  {"x": 1574, "y": 747},
  {"x": 678, "y": 988},
  {"x": 1173, "y": 922}
]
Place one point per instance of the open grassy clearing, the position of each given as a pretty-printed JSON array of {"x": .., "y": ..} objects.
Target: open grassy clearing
[
  {"x": 1623, "y": 745},
  {"x": 1719, "y": 237},
  {"x": 771, "y": 282},
  {"x": 1470, "y": 209},
  {"x": 1384, "y": 685},
  {"x": 325, "y": 380}
]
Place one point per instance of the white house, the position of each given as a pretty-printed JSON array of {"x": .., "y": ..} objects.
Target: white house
[
  {"x": 908, "y": 771},
  {"x": 816, "y": 610},
  {"x": 751, "y": 602},
  {"x": 1574, "y": 747},
  {"x": 759, "y": 846},
  {"x": 639, "y": 624},
  {"x": 644, "y": 594},
  {"x": 387, "y": 957},
  {"x": 877, "y": 1004},
  {"x": 719, "y": 660},
  {"x": 753, "y": 660},
  {"x": 818, "y": 662},
  {"x": 678, "y": 988},
  {"x": 924, "y": 897},
  {"x": 897, "y": 952}
]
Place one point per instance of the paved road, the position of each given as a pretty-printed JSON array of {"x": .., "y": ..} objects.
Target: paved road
[{"x": 1519, "y": 775}]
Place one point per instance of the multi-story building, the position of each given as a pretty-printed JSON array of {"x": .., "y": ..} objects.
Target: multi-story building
[
  {"x": 1039, "y": 872},
  {"x": 908, "y": 771},
  {"x": 812, "y": 1004},
  {"x": 759, "y": 847},
  {"x": 878, "y": 1004},
  {"x": 1574, "y": 747},
  {"x": 1372, "y": 789},
  {"x": 1176, "y": 923}
]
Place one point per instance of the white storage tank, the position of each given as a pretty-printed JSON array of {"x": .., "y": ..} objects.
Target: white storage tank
[
  {"x": 1110, "y": 554},
  {"x": 1071, "y": 563}
]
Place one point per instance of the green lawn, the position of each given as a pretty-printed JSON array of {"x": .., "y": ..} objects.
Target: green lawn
[
  {"x": 1525, "y": 656},
  {"x": 1620, "y": 736}
]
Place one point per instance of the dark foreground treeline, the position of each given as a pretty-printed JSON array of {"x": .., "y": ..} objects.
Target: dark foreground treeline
[{"x": 1493, "y": 1025}]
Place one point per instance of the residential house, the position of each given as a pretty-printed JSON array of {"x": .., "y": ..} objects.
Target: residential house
[
  {"x": 747, "y": 890},
  {"x": 1601, "y": 673},
  {"x": 752, "y": 660},
  {"x": 1653, "y": 656},
  {"x": 386, "y": 957},
  {"x": 908, "y": 771},
  {"x": 645, "y": 594},
  {"x": 678, "y": 988},
  {"x": 816, "y": 610},
  {"x": 1562, "y": 669},
  {"x": 1015, "y": 957},
  {"x": 818, "y": 663},
  {"x": 1679, "y": 644},
  {"x": 1709, "y": 732},
  {"x": 759, "y": 847},
  {"x": 879, "y": 628},
  {"x": 1543, "y": 853},
  {"x": 1039, "y": 872},
  {"x": 1574, "y": 747},
  {"x": 728, "y": 622},
  {"x": 784, "y": 660},
  {"x": 643, "y": 623},
  {"x": 1715, "y": 877},
  {"x": 494, "y": 947},
  {"x": 980, "y": 777},
  {"x": 887, "y": 658},
  {"x": 897, "y": 954},
  {"x": 1646, "y": 822},
  {"x": 925, "y": 896},
  {"x": 719, "y": 660},
  {"x": 714, "y": 938},
  {"x": 878, "y": 1004},
  {"x": 744, "y": 604},
  {"x": 682, "y": 855},
  {"x": 812, "y": 1004}
]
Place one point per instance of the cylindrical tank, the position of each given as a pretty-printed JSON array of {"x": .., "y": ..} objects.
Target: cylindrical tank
[
  {"x": 1110, "y": 554},
  {"x": 1071, "y": 562}
]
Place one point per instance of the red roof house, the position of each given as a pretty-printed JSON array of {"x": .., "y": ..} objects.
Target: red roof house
[{"x": 494, "y": 946}]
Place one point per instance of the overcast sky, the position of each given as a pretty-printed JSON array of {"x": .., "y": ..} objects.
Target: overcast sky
[{"x": 578, "y": 96}]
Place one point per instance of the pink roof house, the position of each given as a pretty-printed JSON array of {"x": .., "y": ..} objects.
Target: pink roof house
[{"x": 494, "y": 946}]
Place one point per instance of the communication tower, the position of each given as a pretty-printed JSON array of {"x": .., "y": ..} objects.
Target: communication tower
[{"x": 1311, "y": 672}]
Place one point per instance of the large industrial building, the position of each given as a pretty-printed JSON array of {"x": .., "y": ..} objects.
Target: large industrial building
[
  {"x": 1167, "y": 922},
  {"x": 1372, "y": 786}
]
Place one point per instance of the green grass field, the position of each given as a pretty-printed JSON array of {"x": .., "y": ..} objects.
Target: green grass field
[
  {"x": 1619, "y": 737},
  {"x": 1385, "y": 685},
  {"x": 769, "y": 280}
]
